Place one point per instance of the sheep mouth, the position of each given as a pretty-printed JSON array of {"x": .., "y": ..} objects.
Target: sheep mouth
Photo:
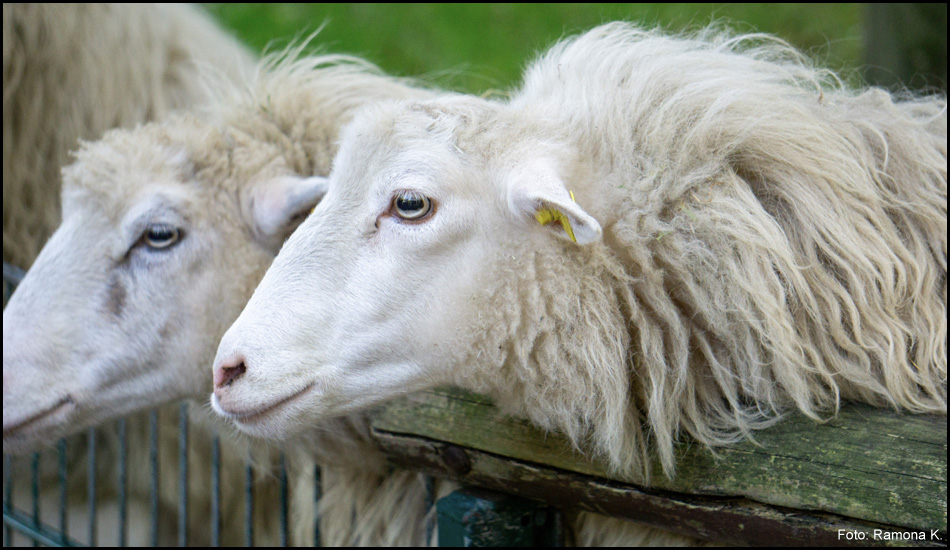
[
  {"x": 19, "y": 426},
  {"x": 253, "y": 416}
]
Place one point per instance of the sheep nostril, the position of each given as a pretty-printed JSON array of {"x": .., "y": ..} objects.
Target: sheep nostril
[{"x": 226, "y": 375}]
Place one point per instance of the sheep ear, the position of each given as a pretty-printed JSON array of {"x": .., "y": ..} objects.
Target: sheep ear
[
  {"x": 536, "y": 191},
  {"x": 275, "y": 207}
]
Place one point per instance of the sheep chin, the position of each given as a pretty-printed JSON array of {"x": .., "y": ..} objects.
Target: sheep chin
[
  {"x": 19, "y": 432},
  {"x": 266, "y": 419}
]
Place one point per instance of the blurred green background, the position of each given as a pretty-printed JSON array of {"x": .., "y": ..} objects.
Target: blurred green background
[{"x": 476, "y": 47}]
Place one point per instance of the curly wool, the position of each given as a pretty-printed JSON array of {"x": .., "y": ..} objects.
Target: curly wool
[
  {"x": 746, "y": 245},
  {"x": 773, "y": 241}
]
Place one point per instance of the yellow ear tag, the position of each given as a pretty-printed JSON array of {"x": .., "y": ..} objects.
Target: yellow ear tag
[{"x": 548, "y": 215}]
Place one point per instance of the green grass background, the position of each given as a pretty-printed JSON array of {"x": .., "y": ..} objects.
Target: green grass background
[{"x": 477, "y": 47}]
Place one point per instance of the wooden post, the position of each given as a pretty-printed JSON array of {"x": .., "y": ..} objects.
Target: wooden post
[{"x": 479, "y": 518}]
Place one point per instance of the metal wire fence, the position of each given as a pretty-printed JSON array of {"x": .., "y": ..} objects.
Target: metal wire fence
[
  {"x": 159, "y": 479},
  {"x": 80, "y": 494}
]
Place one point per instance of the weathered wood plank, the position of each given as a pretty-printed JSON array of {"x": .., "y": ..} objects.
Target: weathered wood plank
[
  {"x": 734, "y": 521},
  {"x": 869, "y": 465}
]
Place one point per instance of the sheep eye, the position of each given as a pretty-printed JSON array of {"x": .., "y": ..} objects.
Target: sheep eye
[
  {"x": 161, "y": 235},
  {"x": 410, "y": 205}
]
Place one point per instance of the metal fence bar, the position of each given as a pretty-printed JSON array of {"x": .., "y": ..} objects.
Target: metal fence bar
[
  {"x": 248, "y": 506},
  {"x": 215, "y": 491},
  {"x": 92, "y": 487},
  {"x": 183, "y": 474},
  {"x": 153, "y": 467},
  {"x": 283, "y": 499},
  {"x": 317, "y": 493},
  {"x": 35, "y": 489},
  {"x": 12, "y": 275},
  {"x": 63, "y": 487},
  {"x": 123, "y": 488},
  {"x": 7, "y": 498},
  {"x": 39, "y": 533}
]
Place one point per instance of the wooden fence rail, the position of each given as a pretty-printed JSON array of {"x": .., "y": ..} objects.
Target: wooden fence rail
[{"x": 866, "y": 477}]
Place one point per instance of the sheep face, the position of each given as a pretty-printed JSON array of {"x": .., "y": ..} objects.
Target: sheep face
[
  {"x": 387, "y": 288},
  {"x": 127, "y": 300}
]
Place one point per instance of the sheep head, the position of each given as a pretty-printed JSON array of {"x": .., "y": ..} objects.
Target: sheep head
[
  {"x": 767, "y": 245},
  {"x": 129, "y": 297},
  {"x": 431, "y": 260}
]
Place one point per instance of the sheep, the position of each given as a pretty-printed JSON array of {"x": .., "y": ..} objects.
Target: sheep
[
  {"x": 191, "y": 209},
  {"x": 167, "y": 229},
  {"x": 72, "y": 71},
  {"x": 190, "y": 195},
  {"x": 656, "y": 236}
]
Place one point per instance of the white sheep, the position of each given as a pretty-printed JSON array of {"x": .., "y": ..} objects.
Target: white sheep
[
  {"x": 73, "y": 71},
  {"x": 656, "y": 236},
  {"x": 167, "y": 229}
]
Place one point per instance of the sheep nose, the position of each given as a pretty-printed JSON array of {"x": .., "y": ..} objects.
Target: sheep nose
[{"x": 228, "y": 371}]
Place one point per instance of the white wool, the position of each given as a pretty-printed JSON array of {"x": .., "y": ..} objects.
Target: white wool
[{"x": 752, "y": 238}]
